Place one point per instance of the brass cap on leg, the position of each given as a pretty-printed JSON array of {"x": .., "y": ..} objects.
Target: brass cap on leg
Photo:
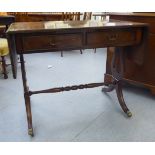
[
  {"x": 30, "y": 132},
  {"x": 129, "y": 114}
]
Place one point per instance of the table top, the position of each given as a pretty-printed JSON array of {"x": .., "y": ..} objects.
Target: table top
[{"x": 26, "y": 27}]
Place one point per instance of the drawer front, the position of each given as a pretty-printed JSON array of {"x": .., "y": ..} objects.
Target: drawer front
[
  {"x": 114, "y": 38},
  {"x": 52, "y": 42}
]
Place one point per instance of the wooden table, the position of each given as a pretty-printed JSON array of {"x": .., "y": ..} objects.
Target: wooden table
[{"x": 34, "y": 37}]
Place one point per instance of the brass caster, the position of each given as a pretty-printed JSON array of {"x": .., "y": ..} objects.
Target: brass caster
[
  {"x": 30, "y": 132},
  {"x": 129, "y": 114}
]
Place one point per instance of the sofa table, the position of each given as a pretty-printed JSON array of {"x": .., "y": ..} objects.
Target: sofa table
[{"x": 35, "y": 37}]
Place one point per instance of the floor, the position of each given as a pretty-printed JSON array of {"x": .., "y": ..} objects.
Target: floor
[{"x": 82, "y": 115}]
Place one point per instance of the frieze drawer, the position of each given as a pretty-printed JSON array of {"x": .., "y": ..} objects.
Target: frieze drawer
[
  {"x": 114, "y": 38},
  {"x": 53, "y": 42}
]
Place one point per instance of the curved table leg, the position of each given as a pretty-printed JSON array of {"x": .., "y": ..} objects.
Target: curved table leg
[
  {"x": 121, "y": 99},
  {"x": 117, "y": 68}
]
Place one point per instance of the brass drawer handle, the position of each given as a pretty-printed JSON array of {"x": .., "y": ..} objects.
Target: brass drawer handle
[{"x": 112, "y": 37}]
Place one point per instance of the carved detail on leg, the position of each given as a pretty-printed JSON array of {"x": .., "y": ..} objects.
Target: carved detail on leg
[{"x": 121, "y": 99}]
